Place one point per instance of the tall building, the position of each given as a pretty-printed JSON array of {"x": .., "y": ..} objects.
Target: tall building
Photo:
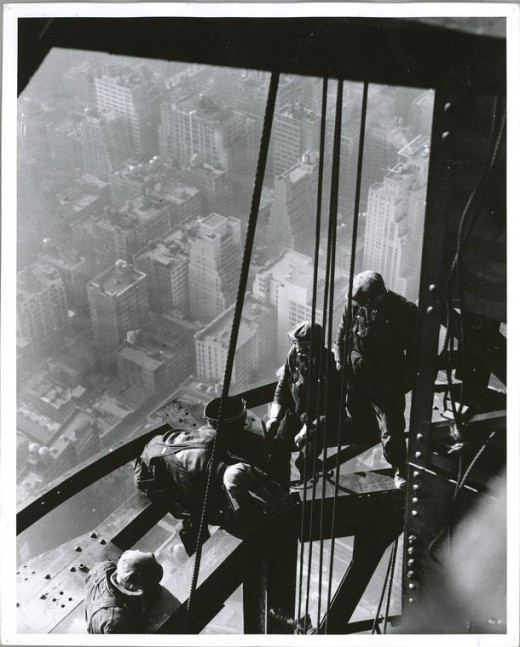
[
  {"x": 214, "y": 266},
  {"x": 124, "y": 231},
  {"x": 421, "y": 113},
  {"x": 165, "y": 263},
  {"x": 296, "y": 129},
  {"x": 79, "y": 82},
  {"x": 118, "y": 301},
  {"x": 130, "y": 92},
  {"x": 293, "y": 212},
  {"x": 41, "y": 304},
  {"x": 65, "y": 149},
  {"x": 72, "y": 268},
  {"x": 394, "y": 220},
  {"x": 213, "y": 183},
  {"x": 254, "y": 351},
  {"x": 105, "y": 142},
  {"x": 287, "y": 284}
]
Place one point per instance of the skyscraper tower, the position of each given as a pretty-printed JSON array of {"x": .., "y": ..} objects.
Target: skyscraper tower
[
  {"x": 41, "y": 304},
  {"x": 130, "y": 92},
  {"x": 214, "y": 266},
  {"x": 118, "y": 301},
  {"x": 105, "y": 142},
  {"x": 394, "y": 220},
  {"x": 295, "y": 130},
  {"x": 293, "y": 212}
]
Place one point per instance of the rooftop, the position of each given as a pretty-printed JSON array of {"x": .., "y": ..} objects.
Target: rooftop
[
  {"x": 117, "y": 279},
  {"x": 220, "y": 328},
  {"x": 36, "y": 278}
]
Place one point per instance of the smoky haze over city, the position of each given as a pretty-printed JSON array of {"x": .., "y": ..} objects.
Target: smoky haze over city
[{"x": 135, "y": 180}]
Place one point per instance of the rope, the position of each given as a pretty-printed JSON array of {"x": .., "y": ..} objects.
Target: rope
[
  {"x": 389, "y": 574},
  {"x": 311, "y": 381},
  {"x": 331, "y": 255},
  {"x": 242, "y": 286},
  {"x": 393, "y": 555},
  {"x": 349, "y": 324}
]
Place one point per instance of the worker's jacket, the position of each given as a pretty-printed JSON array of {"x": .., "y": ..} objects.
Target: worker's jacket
[
  {"x": 384, "y": 344},
  {"x": 293, "y": 392},
  {"x": 107, "y": 609}
]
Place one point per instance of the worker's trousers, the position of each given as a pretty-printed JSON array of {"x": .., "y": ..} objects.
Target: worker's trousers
[{"x": 376, "y": 404}]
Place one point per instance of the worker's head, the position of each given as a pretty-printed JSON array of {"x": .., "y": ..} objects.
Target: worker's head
[
  {"x": 233, "y": 414},
  {"x": 368, "y": 287},
  {"x": 305, "y": 336},
  {"x": 137, "y": 572}
]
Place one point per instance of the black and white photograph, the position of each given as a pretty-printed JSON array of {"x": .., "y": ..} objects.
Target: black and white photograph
[{"x": 254, "y": 324}]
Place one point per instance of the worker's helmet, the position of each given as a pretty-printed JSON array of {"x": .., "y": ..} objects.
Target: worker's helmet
[
  {"x": 233, "y": 414},
  {"x": 136, "y": 572},
  {"x": 306, "y": 332},
  {"x": 368, "y": 286}
]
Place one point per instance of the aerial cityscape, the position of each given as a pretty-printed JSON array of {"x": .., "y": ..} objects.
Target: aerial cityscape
[{"x": 135, "y": 180}]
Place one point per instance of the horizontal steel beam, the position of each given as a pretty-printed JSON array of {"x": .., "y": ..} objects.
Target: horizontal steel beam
[{"x": 378, "y": 50}]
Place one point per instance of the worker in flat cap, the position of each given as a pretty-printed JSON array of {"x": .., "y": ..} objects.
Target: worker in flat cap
[
  {"x": 117, "y": 595},
  {"x": 374, "y": 345},
  {"x": 309, "y": 380}
]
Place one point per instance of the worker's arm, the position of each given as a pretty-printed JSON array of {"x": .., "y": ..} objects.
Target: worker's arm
[
  {"x": 341, "y": 337},
  {"x": 279, "y": 404}
]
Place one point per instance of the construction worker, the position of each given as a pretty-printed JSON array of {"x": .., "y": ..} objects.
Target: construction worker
[
  {"x": 173, "y": 469},
  {"x": 294, "y": 422},
  {"x": 117, "y": 596},
  {"x": 376, "y": 350}
]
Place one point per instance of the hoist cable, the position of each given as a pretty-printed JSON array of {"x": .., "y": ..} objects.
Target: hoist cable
[
  {"x": 375, "y": 624},
  {"x": 393, "y": 556},
  {"x": 345, "y": 352},
  {"x": 311, "y": 381},
  {"x": 242, "y": 286},
  {"x": 331, "y": 266}
]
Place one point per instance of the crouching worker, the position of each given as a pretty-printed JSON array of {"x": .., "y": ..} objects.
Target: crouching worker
[
  {"x": 117, "y": 596},
  {"x": 295, "y": 423},
  {"x": 173, "y": 470}
]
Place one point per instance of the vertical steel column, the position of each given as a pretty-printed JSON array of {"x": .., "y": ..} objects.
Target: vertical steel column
[{"x": 254, "y": 596}]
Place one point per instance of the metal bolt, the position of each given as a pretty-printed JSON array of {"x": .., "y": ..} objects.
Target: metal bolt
[
  {"x": 415, "y": 487},
  {"x": 430, "y": 310},
  {"x": 416, "y": 473},
  {"x": 410, "y": 574},
  {"x": 447, "y": 106},
  {"x": 78, "y": 549},
  {"x": 418, "y": 454},
  {"x": 93, "y": 535},
  {"x": 72, "y": 569},
  {"x": 420, "y": 436},
  {"x": 415, "y": 499},
  {"x": 415, "y": 513},
  {"x": 412, "y": 539},
  {"x": 47, "y": 577},
  {"x": 411, "y": 600},
  {"x": 412, "y": 586},
  {"x": 410, "y": 562},
  {"x": 102, "y": 541},
  {"x": 43, "y": 597},
  {"x": 445, "y": 134},
  {"x": 411, "y": 550},
  {"x": 432, "y": 287}
]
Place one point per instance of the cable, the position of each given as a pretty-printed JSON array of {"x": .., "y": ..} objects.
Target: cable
[
  {"x": 345, "y": 352},
  {"x": 242, "y": 286},
  {"x": 393, "y": 555},
  {"x": 311, "y": 381}
]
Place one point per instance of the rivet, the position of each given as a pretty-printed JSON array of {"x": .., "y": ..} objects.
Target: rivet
[
  {"x": 62, "y": 606},
  {"x": 410, "y": 562},
  {"x": 420, "y": 436},
  {"x": 54, "y": 599},
  {"x": 430, "y": 310},
  {"x": 102, "y": 541},
  {"x": 33, "y": 572},
  {"x": 445, "y": 134},
  {"x": 70, "y": 599},
  {"x": 410, "y": 574},
  {"x": 78, "y": 549},
  {"x": 415, "y": 513},
  {"x": 447, "y": 106},
  {"x": 418, "y": 454},
  {"x": 411, "y": 550},
  {"x": 412, "y": 539},
  {"x": 412, "y": 586},
  {"x": 43, "y": 597},
  {"x": 72, "y": 569},
  {"x": 415, "y": 499},
  {"x": 17, "y": 604},
  {"x": 93, "y": 535},
  {"x": 47, "y": 577},
  {"x": 416, "y": 473},
  {"x": 432, "y": 287},
  {"x": 415, "y": 487},
  {"x": 411, "y": 600}
]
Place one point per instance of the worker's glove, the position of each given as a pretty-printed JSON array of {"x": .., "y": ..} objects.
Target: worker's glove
[
  {"x": 271, "y": 427},
  {"x": 338, "y": 366},
  {"x": 301, "y": 437}
]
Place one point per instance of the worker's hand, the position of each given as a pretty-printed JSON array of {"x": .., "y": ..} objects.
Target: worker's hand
[
  {"x": 338, "y": 366},
  {"x": 271, "y": 427},
  {"x": 301, "y": 437}
]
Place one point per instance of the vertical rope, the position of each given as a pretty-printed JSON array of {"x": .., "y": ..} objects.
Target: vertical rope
[
  {"x": 346, "y": 354},
  {"x": 331, "y": 257},
  {"x": 393, "y": 556},
  {"x": 311, "y": 381},
  {"x": 242, "y": 286}
]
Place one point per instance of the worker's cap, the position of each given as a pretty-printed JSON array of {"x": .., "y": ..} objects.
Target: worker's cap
[
  {"x": 234, "y": 411},
  {"x": 306, "y": 332},
  {"x": 137, "y": 572},
  {"x": 367, "y": 286}
]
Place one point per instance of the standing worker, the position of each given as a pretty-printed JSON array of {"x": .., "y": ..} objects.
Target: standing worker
[
  {"x": 116, "y": 595},
  {"x": 295, "y": 422},
  {"x": 378, "y": 351}
]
